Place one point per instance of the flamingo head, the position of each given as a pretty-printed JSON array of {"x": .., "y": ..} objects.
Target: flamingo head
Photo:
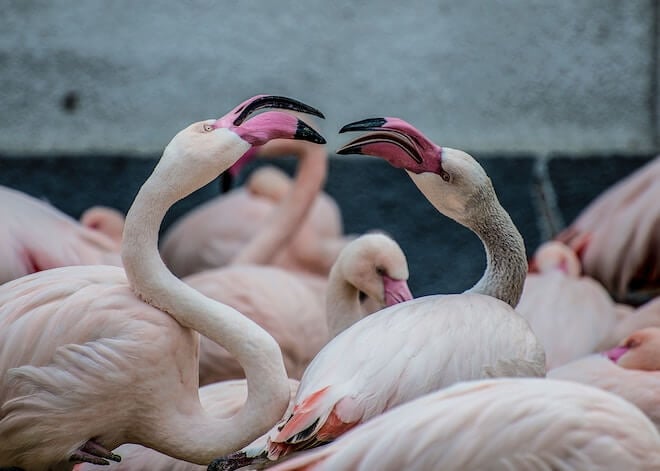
[
  {"x": 210, "y": 147},
  {"x": 375, "y": 265},
  {"x": 451, "y": 179},
  {"x": 639, "y": 351}
]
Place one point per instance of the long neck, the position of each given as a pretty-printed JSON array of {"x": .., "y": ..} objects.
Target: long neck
[
  {"x": 254, "y": 348},
  {"x": 506, "y": 261},
  {"x": 343, "y": 307},
  {"x": 284, "y": 223}
]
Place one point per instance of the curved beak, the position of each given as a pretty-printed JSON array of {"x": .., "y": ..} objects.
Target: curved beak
[
  {"x": 259, "y": 102},
  {"x": 394, "y": 140},
  {"x": 259, "y": 129},
  {"x": 396, "y": 291}
]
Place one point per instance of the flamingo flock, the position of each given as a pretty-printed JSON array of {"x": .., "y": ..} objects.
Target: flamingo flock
[{"x": 258, "y": 335}]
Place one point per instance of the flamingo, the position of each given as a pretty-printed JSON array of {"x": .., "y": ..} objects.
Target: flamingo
[
  {"x": 106, "y": 220},
  {"x": 418, "y": 346},
  {"x": 629, "y": 320},
  {"x": 221, "y": 231},
  {"x": 498, "y": 424},
  {"x": 630, "y": 370},
  {"x": 222, "y": 399},
  {"x": 618, "y": 235},
  {"x": 570, "y": 314},
  {"x": 95, "y": 356},
  {"x": 369, "y": 274},
  {"x": 35, "y": 236}
]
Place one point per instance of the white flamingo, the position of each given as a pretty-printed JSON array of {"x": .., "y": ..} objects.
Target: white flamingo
[
  {"x": 501, "y": 425},
  {"x": 415, "y": 347},
  {"x": 93, "y": 357}
]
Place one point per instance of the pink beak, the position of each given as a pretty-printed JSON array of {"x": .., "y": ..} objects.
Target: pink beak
[
  {"x": 396, "y": 291},
  {"x": 616, "y": 353}
]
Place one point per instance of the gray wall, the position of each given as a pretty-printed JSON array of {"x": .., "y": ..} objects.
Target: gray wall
[{"x": 485, "y": 75}]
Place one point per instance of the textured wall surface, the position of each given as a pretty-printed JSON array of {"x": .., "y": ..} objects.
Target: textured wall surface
[{"x": 506, "y": 75}]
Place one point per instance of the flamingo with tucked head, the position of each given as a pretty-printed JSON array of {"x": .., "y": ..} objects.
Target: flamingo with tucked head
[
  {"x": 93, "y": 357},
  {"x": 631, "y": 370}
]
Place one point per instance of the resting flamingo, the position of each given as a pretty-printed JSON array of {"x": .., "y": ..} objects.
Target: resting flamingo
[
  {"x": 570, "y": 314},
  {"x": 629, "y": 320},
  {"x": 418, "y": 346},
  {"x": 107, "y": 220},
  {"x": 631, "y": 370},
  {"x": 92, "y": 357},
  {"x": 499, "y": 424},
  {"x": 222, "y": 230},
  {"x": 618, "y": 236},
  {"x": 36, "y": 236},
  {"x": 369, "y": 274}
]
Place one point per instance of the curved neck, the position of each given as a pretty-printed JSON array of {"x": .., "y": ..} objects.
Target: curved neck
[
  {"x": 343, "y": 308},
  {"x": 254, "y": 348},
  {"x": 290, "y": 214},
  {"x": 506, "y": 260}
]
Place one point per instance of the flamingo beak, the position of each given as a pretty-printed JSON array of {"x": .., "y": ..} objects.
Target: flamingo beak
[
  {"x": 394, "y": 140},
  {"x": 259, "y": 129},
  {"x": 396, "y": 291},
  {"x": 616, "y": 353}
]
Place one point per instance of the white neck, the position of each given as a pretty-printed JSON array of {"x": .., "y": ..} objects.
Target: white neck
[
  {"x": 290, "y": 214},
  {"x": 199, "y": 437},
  {"x": 343, "y": 308}
]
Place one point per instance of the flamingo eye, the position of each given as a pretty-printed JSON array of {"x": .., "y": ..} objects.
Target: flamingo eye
[
  {"x": 362, "y": 296},
  {"x": 632, "y": 343},
  {"x": 208, "y": 128},
  {"x": 445, "y": 175},
  {"x": 380, "y": 271}
]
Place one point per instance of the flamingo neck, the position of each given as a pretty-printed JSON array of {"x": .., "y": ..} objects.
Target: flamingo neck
[
  {"x": 343, "y": 308},
  {"x": 198, "y": 437},
  {"x": 506, "y": 261},
  {"x": 290, "y": 214}
]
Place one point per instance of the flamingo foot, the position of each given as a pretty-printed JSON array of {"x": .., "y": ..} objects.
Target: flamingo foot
[
  {"x": 237, "y": 460},
  {"x": 92, "y": 452}
]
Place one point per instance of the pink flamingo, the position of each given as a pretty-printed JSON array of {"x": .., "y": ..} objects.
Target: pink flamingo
[
  {"x": 498, "y": 424},
  {"x": 369, "y": 274},
  {"x": 618, "y": 235},
  {"x": 92, "y": 357},
  {"x": 419, "y": 346},
  {"x": 222, "y": 231},
  {"x": 570, "y": 314},
  {"x": 630, "y": 370},
  {"x": 222, "y": 399},
  {"x": 106, "y": 220},
  {"x": 35, "y": 236},
  {"x": 629, "y": 320}
]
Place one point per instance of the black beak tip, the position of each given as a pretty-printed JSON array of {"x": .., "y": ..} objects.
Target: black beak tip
[
  {"x": 307, "y": 133},
  {"x": 368, "y": 124}
]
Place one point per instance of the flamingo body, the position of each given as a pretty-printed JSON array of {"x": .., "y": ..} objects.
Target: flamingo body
[{"x": 500, "y": 424}]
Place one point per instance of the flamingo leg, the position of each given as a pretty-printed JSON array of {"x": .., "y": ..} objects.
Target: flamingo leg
[{"x": 92, "y": 452}]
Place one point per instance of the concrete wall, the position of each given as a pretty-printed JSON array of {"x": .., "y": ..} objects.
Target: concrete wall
[{"x": 122, "y": 76}]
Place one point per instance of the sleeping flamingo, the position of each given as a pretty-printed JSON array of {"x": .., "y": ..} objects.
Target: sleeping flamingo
[
  {"x": 222, "y": 230},
  {"x": 570, "y": 314},
  {"x": 629, "y": 320},
  {"x": 418, "y": 346},
  {"x": 92, "y": 357},
  {"x": 35, "y": 236},
  {"x": 369, "y": 274},
  {"x": 618, "y": 235},
  {"x": 498, "y": 424},
  {"x": 630, "y": 370}
]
